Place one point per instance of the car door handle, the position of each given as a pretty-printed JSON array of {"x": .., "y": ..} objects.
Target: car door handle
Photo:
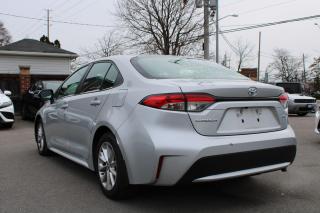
[
  {"x": 64, "y": 106},
  {"x": 95, "y": 102}
]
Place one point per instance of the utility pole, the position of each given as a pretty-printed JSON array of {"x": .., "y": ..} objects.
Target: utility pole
[
  {"x": 304, "y": 68},
  {"x": 206, "y": 42},
  {"x": 208, "y": 6},
  {"x": 259, "y": 58},
  {"x": 217, "y": 31},
  {"x": 48, "y": 23}
]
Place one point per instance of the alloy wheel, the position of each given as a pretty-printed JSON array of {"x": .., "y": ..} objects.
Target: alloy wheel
[
  {"x": 40, "y": 137},
  {"x": 107, "y": 166}
]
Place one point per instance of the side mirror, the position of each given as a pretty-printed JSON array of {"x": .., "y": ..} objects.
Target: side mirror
[
  {"x": 46, "y": 95},
  {"x": 7, "y": 93},
  {"x": 36, "y": 94}
]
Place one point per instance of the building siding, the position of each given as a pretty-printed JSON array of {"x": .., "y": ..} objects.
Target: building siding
[{"x": 38, "y": 65}]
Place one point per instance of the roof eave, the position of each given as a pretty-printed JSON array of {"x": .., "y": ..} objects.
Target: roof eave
[{"x": 22, "y": 53}]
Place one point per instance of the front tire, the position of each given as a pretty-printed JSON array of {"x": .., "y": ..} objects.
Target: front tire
[
  {"x": 41, "y": 139},
  {"x": 111, "y": 169}
]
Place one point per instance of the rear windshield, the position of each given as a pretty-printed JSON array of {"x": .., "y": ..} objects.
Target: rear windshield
[
  {"x": 174, "y": 67},
  {"x": 291, "y": 88}
]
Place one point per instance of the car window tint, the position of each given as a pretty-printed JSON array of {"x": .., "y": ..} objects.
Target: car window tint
[
  {"x": 69, "y": 87},
  {"x": 95, "y": 76},
  {"x": 111, "y": 77}
]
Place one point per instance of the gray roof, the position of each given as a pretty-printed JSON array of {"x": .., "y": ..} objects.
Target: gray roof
[{"x": 32, "y": 45}]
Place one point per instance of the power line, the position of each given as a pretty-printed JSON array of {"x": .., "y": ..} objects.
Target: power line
[
  {"x": 269, "y": 24},
  {"x": 233, "y": 48},
  {"x": 225, "y": 31},
  {"x": 81, "y": 9},
  {"x": 261, "y": 25},
  {"x": 68, "y": 9},
  {"x": 57, "y": 21},
  {"x": 34, "y": 27},
  {"x": 231, "y": 4},
  {"x": 265, "y": 7},
  {"x": 61, "y": 4}
]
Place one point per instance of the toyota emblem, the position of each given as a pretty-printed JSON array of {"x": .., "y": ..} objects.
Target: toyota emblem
[{"x": 252, "y": 91}]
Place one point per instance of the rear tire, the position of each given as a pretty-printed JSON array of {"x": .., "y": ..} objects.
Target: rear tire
[
  {"x": 111, "y": 169},
  {"x": 41, "y": 139}
]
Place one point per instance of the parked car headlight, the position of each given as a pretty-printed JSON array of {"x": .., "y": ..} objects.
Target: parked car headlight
[{"x": 5, "y": 104}]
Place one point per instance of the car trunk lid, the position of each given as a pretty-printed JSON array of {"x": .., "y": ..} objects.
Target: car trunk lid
[{"x": 242, "y": 107}]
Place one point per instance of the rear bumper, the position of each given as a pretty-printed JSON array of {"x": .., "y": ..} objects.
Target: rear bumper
[
  {"x": 240, "y": 164},
  {"x": 217, "y": 158},
  {"x": 301, "y": 107},
  {"x": 164, "y": 148}
]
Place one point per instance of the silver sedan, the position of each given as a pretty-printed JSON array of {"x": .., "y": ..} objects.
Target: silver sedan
[{"x": 165, "y": 120}]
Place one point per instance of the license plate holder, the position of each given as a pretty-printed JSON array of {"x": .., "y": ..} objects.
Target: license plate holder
[
  {"x": 310, "y": 106},
  {"x": 249, "y": 119}
]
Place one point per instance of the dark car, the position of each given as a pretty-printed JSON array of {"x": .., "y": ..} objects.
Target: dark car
[{"x": 31, "y": 101}]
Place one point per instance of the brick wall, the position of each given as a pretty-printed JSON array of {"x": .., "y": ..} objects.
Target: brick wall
[{"x": 25, "y": 79}]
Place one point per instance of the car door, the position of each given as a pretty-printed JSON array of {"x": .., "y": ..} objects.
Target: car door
[
  {"x": 35, "y": 101},
  {"x": 55, "y": 127},
  {"x": 84, "y": 108}
]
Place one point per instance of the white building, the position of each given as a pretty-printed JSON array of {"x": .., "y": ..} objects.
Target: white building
[{"x": 28, "y": 60}]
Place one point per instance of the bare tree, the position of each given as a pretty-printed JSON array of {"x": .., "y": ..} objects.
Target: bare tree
[
  {"x": 110, "y": 44},
  {"x": 166, "y": 27},
  {"x": 5, "y": 37},
  {"x": 315, "y": 67},
  {"x": 243, "y": 50},
  {"x": 77, "y": 63},
  {"x": 315, "y": 71},
  {"x": 286, "y": 67}
]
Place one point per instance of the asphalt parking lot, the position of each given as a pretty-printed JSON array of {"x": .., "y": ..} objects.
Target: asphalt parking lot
[{"x": 31, "y": 183}]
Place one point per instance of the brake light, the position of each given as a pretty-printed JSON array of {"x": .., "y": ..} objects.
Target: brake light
[
  {"x": 283, "y": 99},
  {"x": 198, "y": 102},
  {"x": 191, "y": 102}
]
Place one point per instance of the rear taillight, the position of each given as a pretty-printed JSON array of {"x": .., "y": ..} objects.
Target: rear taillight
[
  {"x": 198, "y": 102},
  {"x": 283, "y": 99},
  {"x": 191, "y": 102}
]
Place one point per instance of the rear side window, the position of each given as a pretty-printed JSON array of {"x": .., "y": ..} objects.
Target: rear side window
[
  {"x": 175, "y": 67},
  {"x": 113, "y": 78},
  {"x": 96, "y": 76}
]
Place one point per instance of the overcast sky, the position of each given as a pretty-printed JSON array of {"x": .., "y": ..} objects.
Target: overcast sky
[{"x": 301, "y": 37}]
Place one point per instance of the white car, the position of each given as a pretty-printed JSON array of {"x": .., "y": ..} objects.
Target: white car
[
  {"x": 298, "y": 103},
  {"x": 317, "y": 126},
  {"x": 301, "y": 104},
  {"x": 6, "y": 110},
  {"x": 165, "y": 120}
]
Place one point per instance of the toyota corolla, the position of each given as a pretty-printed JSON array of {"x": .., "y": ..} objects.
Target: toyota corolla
[{"x": 165, "y": 120}]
